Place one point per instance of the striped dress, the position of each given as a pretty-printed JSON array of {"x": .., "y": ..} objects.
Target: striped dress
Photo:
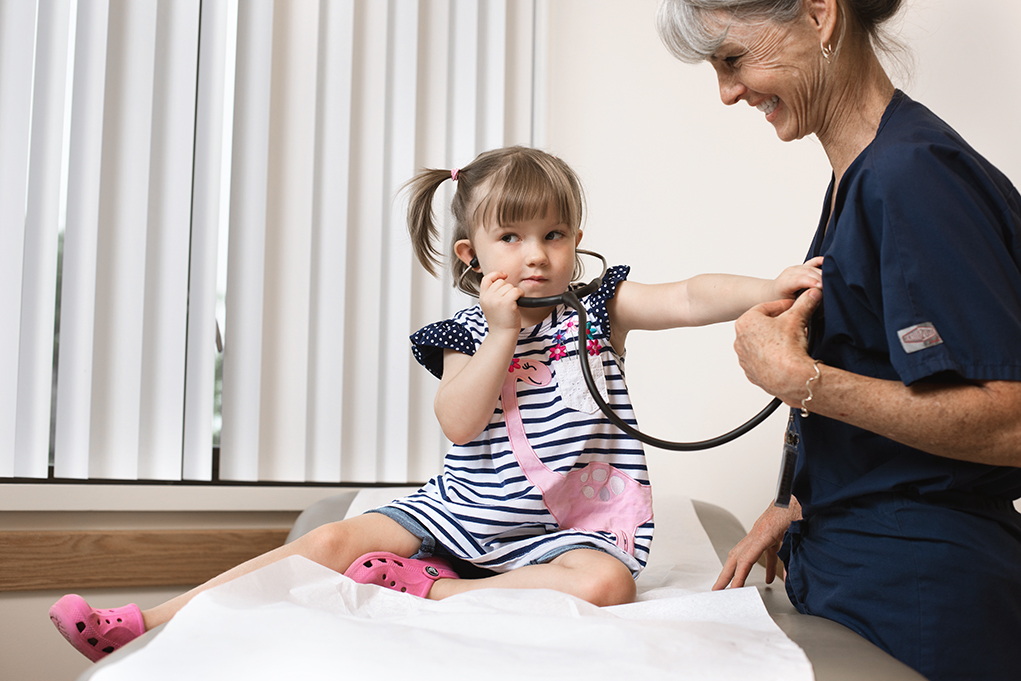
[{"x": 549, "y": 473}]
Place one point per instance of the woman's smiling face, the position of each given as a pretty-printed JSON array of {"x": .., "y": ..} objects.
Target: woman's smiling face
[{"x": 776, "y": 68}]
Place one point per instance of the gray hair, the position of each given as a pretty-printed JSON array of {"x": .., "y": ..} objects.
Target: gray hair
[{"x": 687, "y": 27}]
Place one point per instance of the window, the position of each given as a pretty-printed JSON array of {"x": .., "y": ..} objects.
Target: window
[{"x": 168, "y": 168}]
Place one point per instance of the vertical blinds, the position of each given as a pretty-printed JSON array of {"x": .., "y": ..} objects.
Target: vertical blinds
[{"x": 154, "y": 133}]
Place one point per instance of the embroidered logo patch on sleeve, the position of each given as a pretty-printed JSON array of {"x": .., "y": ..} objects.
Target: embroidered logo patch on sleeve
[{"x": 919, "y": 337}]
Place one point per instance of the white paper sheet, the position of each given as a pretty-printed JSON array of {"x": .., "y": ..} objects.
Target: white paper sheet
[{"x": 299, "y": 620}]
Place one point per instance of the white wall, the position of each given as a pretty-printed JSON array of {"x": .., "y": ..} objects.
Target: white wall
[{"x": 679, "y": 184}]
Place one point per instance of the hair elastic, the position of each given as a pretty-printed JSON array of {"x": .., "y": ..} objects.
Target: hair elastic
[
  {"x": 453, "y": 174},
  {"x": 808, "y": 387}
]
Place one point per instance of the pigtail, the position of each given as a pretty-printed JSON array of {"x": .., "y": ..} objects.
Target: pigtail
[
  {"x": 421, "y": 220},
  {"x": 518, "y": 184}
]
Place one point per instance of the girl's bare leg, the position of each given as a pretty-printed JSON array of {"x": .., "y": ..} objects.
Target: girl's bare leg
[
  {"x": 591, "y": 575},
  {"x": 335, "y": 546}
]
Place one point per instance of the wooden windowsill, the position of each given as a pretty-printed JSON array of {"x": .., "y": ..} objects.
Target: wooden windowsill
[
  {"x": 26, "y": 497},
  {"x": 70, "y": 560}
]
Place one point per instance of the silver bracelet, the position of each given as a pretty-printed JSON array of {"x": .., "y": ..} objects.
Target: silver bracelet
[{"x": 808, "y": 387}]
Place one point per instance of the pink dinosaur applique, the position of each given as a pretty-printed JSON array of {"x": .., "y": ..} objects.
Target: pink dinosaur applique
[{"x": 597, "y": 497}]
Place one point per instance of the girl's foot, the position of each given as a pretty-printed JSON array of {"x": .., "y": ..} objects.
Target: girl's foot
[
  {"x": 96, "y": 633},
  {"x": 407, "y": 575}
]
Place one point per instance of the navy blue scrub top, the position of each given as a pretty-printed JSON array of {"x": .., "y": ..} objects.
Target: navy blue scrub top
[{"x": 921, "y": 282}]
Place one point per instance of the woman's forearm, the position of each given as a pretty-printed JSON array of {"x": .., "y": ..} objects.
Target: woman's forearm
[
  {"x": 969, "y": 421},
  {"x": 978, "y": 422}
]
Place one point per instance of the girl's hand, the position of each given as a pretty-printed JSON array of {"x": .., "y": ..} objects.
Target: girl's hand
[
  {"x": 798, "y": 278},
  {"x": 499, "y": 301}
]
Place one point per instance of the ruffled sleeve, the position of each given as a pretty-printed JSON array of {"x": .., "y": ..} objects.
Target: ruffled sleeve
[
  {"x": 596, "y": 303},
  {"x": 428, "y": 344}
]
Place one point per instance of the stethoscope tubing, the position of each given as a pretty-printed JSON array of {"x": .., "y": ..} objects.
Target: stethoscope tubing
[{"x": 571, "y": 299}]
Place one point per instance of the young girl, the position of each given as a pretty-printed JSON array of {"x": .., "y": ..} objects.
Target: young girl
[{"x": 539, "y": 489}]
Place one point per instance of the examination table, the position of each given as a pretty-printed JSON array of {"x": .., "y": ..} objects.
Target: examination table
[{"x": 835, "y": 652}]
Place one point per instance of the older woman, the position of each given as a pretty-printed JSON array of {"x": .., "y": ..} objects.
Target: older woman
[{"x": 907, "y": 399}]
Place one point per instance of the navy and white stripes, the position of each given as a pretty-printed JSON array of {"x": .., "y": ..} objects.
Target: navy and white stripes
[{"x": 483, "y": 508}]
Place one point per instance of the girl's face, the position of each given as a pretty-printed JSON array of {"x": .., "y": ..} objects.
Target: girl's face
[
  {"x": 537, "y": 255},
  {"x": 776, "y": 68}
]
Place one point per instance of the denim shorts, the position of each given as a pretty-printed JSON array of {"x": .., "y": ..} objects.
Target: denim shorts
[{"x": 430, "y": 547}]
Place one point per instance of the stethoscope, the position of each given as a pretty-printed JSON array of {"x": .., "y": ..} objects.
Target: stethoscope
[{"x": 572, "y": 298}]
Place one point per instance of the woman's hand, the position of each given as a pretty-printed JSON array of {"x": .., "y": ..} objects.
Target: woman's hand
[
  {"x": 798, "y": 278},
  {"x": 764, "y": 539},
  {"x": 499, "y": 301},
  {"x": 969, "y": 420},
  {"x": 772, "y": 345}
]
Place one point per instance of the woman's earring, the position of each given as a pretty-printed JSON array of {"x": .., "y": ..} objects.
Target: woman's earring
[{"x": 827, "y": 52}]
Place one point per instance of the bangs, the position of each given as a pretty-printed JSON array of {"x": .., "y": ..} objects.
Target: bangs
[
  {"x": 529, "y": 189},
  {"x": 691, "y": 34},
  {"x": 692, "y": 30}
]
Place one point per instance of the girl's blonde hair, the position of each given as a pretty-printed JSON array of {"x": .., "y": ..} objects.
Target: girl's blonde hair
[{"x": 499, "y": 187}]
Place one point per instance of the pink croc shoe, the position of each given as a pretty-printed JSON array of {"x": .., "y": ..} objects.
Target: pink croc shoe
[
  {"x": 407, "y": 575},
  {"x": 96, "y": 633}
]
